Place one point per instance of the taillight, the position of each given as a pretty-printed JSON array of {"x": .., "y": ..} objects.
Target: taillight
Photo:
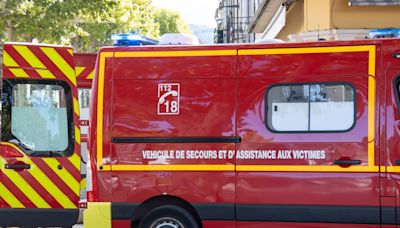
[{"x": 91, "y": 181}]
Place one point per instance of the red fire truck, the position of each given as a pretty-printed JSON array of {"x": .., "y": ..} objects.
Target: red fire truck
[{"x": 257, "y": 135}]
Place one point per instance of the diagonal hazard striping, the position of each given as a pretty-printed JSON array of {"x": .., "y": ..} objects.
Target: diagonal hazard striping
[
  {"x": 51, "y": 188},
  {"x": 52, "y": 175},
  {"x": 9, "y": 198},
  {"x": 61, "y": 63},
  {"x": 45, "y": 73},
  {"x": 75, "y": 160},
  {"x": 90, "y": 75},
  {"x": 19, "y": 73},
  {"x": 70, "y": 168},
  {"x": 64, "y": 175},
  {"x": 25, "y": 187},
  {"x": 79, "y": 70},
  {"x": 29, "y": 57},
  {"x": 41, "y": 189},
  {"x": 17, "y": 192},
  {"x": 77, "y": 135},
  {"x": 8, "y": 61},
  {"x": 76, "y": 106}
]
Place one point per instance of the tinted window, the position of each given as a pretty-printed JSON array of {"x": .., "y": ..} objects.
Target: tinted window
[{"x": 310, "y": 107}]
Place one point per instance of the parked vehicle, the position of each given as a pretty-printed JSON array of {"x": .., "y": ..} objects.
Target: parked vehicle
[
  {"x": 256, "y": 135},
  {"x": 40, "y": 137}
]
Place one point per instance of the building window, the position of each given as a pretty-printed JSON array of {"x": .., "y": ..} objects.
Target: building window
[{"x": 322, "y": 107}]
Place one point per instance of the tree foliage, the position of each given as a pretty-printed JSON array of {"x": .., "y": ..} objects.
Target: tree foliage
[
  {"x": 85, "y": 24},
  {"x": 170, "y": 21}
]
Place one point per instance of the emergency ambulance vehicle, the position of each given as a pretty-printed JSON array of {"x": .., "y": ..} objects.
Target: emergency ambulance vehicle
[
  {"x": 40, "y": 137},
  {"x": 256, "y": 135}
]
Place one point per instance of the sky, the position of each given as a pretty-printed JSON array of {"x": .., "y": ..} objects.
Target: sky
[{"x": 200, "y": 12}]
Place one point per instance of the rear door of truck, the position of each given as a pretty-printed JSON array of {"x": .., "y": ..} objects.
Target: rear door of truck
[{"x": 40, "y": 140}]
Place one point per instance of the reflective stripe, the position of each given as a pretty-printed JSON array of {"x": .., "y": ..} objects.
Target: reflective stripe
[
  {"x": 8, "y": 61},
  {"x": 79, "y": 70},
  {"x": 9, "y": 197},
  {"x": 19, "y": 73},
  {"x": 64, "y": 175},
  {"x": 75, "y": 160},
  {"x": 25, "y": 187},
  {"x": 91, "y": 75},
  {"x": 47, "y": 184},
  {"x": 29, "y": 56},
  {"x": 76, "y": 106},
  {"x": 77, "y": 135},
  {"x": 61, "y": 64},
  {"x": 45, "y": 73}
]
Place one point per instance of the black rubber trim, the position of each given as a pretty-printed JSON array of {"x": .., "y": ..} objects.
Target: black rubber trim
[
  {"x": 123, "y": 210},
  {"x": 280, "y": 213},
  {"x": 176, "y": 140},
  {"x": 38, "y": 217},
  {"x": 215, "y": 211},
  {"x": 309, "y": 213}
]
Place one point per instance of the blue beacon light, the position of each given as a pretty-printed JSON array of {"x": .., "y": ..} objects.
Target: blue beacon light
[{"x": 132, "y": 39}]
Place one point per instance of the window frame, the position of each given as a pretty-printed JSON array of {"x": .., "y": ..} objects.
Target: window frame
[
  {"x": 266, "y": 108},
  {"x": 396, "y": 89},
  {"x": 9, "y": 84}
]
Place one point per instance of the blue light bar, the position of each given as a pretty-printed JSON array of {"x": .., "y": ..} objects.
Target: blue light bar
[
  {"x": 384, "y": 33},
  {"x": 132, "y": 39}
]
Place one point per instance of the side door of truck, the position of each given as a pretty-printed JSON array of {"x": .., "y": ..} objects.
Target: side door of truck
[
  {"x": 173, "y": 131},
  {"x": 391, "y": 181},
  {"x": 40, "y": 153},
  {"x": 308, "y": 155}
]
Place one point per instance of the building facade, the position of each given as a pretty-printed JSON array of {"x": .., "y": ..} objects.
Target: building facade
[
  {"x": 306, "y": 20},
  {"x": 233, "y": 18},
  {"x": 303, "y": 20}
]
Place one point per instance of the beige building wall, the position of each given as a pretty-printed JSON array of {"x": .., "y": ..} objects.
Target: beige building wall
[
  {"x": 345, "y": 16},
  {"x": 336, "y": 16},
  {"x": 294, "y": 20}
]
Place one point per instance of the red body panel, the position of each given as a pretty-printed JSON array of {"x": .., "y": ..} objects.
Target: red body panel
[
  {"x": 84, "y": 67},
  {"x": 222, "y": 94}
]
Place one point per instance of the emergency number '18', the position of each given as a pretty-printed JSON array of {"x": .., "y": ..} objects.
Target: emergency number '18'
[{"x": 168, "y": 99}]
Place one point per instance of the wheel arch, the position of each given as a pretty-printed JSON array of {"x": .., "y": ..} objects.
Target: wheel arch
[{"x": 142, "y": 209}]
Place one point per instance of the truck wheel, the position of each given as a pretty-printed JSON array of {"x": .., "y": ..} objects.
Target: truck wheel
[{"x": 168, "y": 216}]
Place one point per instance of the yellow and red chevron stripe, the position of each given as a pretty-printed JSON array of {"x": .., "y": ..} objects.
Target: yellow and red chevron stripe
[
  {"x": 84, "y": 73},
  {"x": 84, "y": 68},
  {"x": 44, "y": 185},
  {"x": 35, "y": 61}
]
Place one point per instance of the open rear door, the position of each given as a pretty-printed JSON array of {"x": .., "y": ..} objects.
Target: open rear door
[{"x": 40, "y": 140}]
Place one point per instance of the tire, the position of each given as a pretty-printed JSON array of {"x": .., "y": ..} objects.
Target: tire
[{"x": 168, "y": 216}]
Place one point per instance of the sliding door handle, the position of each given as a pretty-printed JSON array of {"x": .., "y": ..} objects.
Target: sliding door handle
[
  {"x": 347, "y": 162},
  {"x": 17, "y": 166}
]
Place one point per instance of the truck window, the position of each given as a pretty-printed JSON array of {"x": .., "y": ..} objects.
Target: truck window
[
  {"x": 325, "y": 107},
  {"x": 40, "y": 115}
]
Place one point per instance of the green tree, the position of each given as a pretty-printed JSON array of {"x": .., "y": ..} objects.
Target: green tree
[
  {"x": 170, "y": 21},
  {"x": 86, "y": 24}
]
